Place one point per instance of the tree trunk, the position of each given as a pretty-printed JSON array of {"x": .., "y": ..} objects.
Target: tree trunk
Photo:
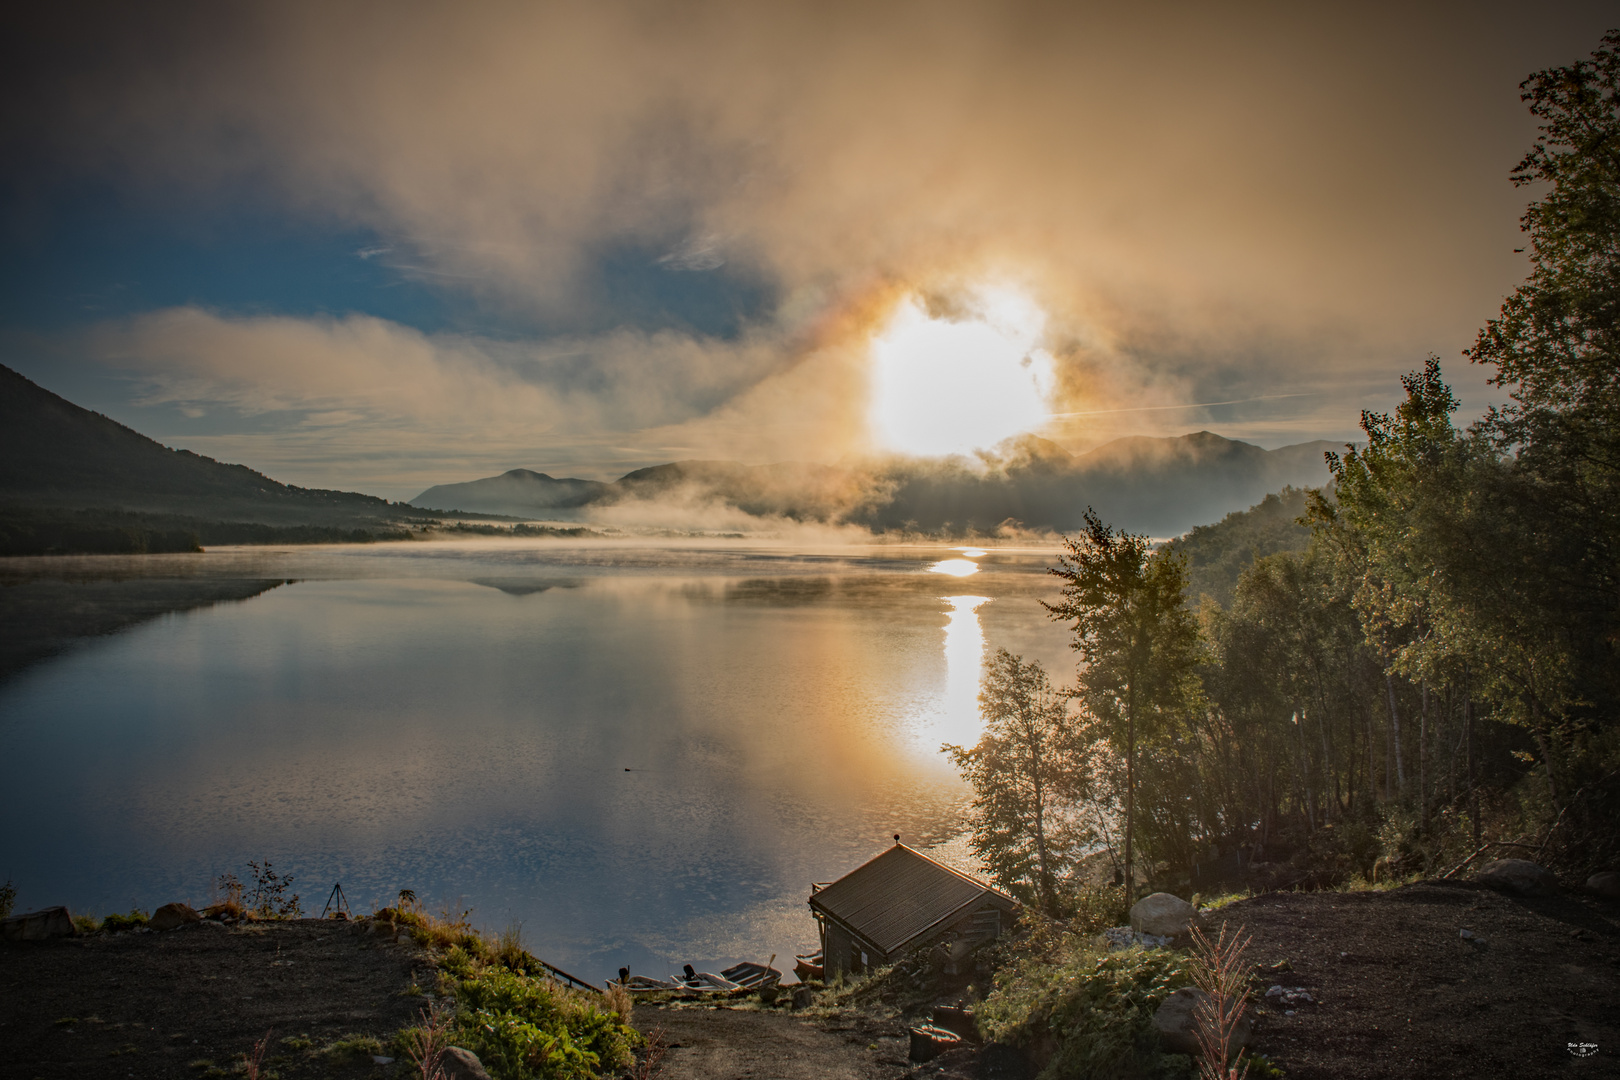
[
  {"x": 1423, "y": 760},
  {"x": 1130, "y": 789},
  {"x": 1468, "y": 759},
  {"x": 1395, "y": 733},
  {"x": 1045, "y": 884}
]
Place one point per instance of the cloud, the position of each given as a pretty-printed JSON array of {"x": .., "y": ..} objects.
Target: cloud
[{"x": 1212, "y": 202}]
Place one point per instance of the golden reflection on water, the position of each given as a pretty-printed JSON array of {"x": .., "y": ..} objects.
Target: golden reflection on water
[
  {"x": 955, "y": 567},
  {"x": 955, "y": 719}
]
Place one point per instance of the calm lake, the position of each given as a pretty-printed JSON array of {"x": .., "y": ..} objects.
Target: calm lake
[{"x": 642, "y": 753}]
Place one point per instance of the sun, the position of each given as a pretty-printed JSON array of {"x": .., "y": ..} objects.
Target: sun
[{"x": 946, "y": 386}]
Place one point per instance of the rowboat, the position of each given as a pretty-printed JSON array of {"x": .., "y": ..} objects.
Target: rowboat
[
  {"x": 809, "y": 966},
  {"x": 752, "y": 976}
]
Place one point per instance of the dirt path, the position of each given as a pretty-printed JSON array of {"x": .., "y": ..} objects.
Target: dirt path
[
  {"x": 736, "y": 1044},
  {"x": 156, "y": 1005},
  {"x": 1400, "y": 993}
]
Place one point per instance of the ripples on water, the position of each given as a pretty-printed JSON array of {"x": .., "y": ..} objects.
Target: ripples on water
[{"x": 643, "y": 753}]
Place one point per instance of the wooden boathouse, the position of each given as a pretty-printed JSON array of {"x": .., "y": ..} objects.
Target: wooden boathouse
[{"x": 900, "y": 901}]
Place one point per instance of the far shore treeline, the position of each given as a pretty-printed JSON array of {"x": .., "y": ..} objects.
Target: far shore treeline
[{"x": 1421, "y": 671}]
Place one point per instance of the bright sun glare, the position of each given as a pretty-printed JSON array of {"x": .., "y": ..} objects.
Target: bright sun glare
[{"x": 944, "y": 386}]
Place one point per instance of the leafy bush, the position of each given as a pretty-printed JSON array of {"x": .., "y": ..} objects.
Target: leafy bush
[
  {"x": 521, "y": 1026},
  {"x": 1091, "y": 909},
  {"x": 1089, "y": 1013},
  {"x": 112, "y": 924},
  {"x": 8, "y": 898}
]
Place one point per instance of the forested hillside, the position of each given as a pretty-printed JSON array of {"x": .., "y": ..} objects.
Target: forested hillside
[{"x": 1217, "y": 555}]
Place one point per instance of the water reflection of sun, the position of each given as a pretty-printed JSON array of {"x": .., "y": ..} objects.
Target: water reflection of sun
[
  {"x": 955, "y": 717},
  {"x": 955, "y": 567}
]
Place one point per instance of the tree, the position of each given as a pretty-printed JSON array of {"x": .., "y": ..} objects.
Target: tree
[
  {"x": 1139, "y": 647},
  {"x": 1027, "y": 769},
  {"x": 1454, "y": 575},
  {"x": 1556, "y": 345}
]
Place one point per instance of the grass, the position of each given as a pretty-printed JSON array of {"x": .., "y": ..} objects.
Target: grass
[{"x": 352, "y": 1048}]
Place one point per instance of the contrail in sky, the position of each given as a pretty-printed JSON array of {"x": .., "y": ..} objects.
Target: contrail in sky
[{"x": 1193, "y": 405}]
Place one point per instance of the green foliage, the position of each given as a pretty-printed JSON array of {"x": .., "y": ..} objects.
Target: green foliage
[
  {"x": 1091, "y": 909},
  {"x": 521, "y": 1026},
  {"x": 1093, "y": 1011},
  {"x": 8, "y": 898},
  {"x": 112, "y": 924},
  {"x": 1217, "y": 555},
  {"x": 1029, "y": 767},
  {"x": 1139, "y": 648}
]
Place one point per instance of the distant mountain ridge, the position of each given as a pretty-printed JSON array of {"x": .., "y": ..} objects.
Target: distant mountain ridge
[
  {"x": 1160, "y": 486},
  {"x": 74, "y": 479},
  {"x": 517, "y": 492},
  {"x": 55, "y": 454}
]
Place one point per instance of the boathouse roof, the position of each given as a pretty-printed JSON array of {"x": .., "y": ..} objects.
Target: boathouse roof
[{"x": 901, "y": 895}]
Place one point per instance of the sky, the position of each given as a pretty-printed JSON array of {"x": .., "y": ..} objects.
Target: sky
[{"x": 380, "y": 246}]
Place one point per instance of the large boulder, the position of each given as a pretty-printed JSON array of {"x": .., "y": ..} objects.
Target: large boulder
[
  {"x": 1163, "y": 915},
  {"x": 460, "y": 1064},
  {"x": 1606, "y": 885},
  {"x": 39, "y": 925},
  {"x": 1517, "y": 875},
  {"x": 172, "y": 917},
  {"x": 1177, "y": 1022}
]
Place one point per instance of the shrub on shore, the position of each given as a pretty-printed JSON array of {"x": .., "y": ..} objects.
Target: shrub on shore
[
  {"x": 1086, "y": 1011},
  {"x": 522, "y": 1024}
]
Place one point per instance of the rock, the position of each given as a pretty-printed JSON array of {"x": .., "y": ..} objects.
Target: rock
[
  {"x": 459, "y": 1064},
  {"x": 1123, "y": 937},
  {"x": 803, "y": 996},
  {"x": 172, "y": 916},
  {"x": 1163, "y": 915},
  {"x": 1517, "y": 875},
  {"x": 928, "y": 1042},
  {"x": 51, "y": 922},
  {"x": 1176, "y": 1023},
  {"x": 1606, "y": 885},
  {"x": 1471, "y": 937}
]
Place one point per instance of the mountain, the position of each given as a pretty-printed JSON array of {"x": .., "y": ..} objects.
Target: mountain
[
  {"x": 518, "y": 492},
  {"x": 1157, "y": 486},
  {"x": 1161, "y": 487},
  {"x": 56, "y": 455}
]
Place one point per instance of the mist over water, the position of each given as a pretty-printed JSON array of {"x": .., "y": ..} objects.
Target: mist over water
[{"x": 642, "y": 753}]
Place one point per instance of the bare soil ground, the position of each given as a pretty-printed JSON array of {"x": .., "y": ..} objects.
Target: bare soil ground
[
  {"x": 709, "y": 1043},
  {"x": 179, "y": 1003},
  {"x": 1399, "y": 993}
]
